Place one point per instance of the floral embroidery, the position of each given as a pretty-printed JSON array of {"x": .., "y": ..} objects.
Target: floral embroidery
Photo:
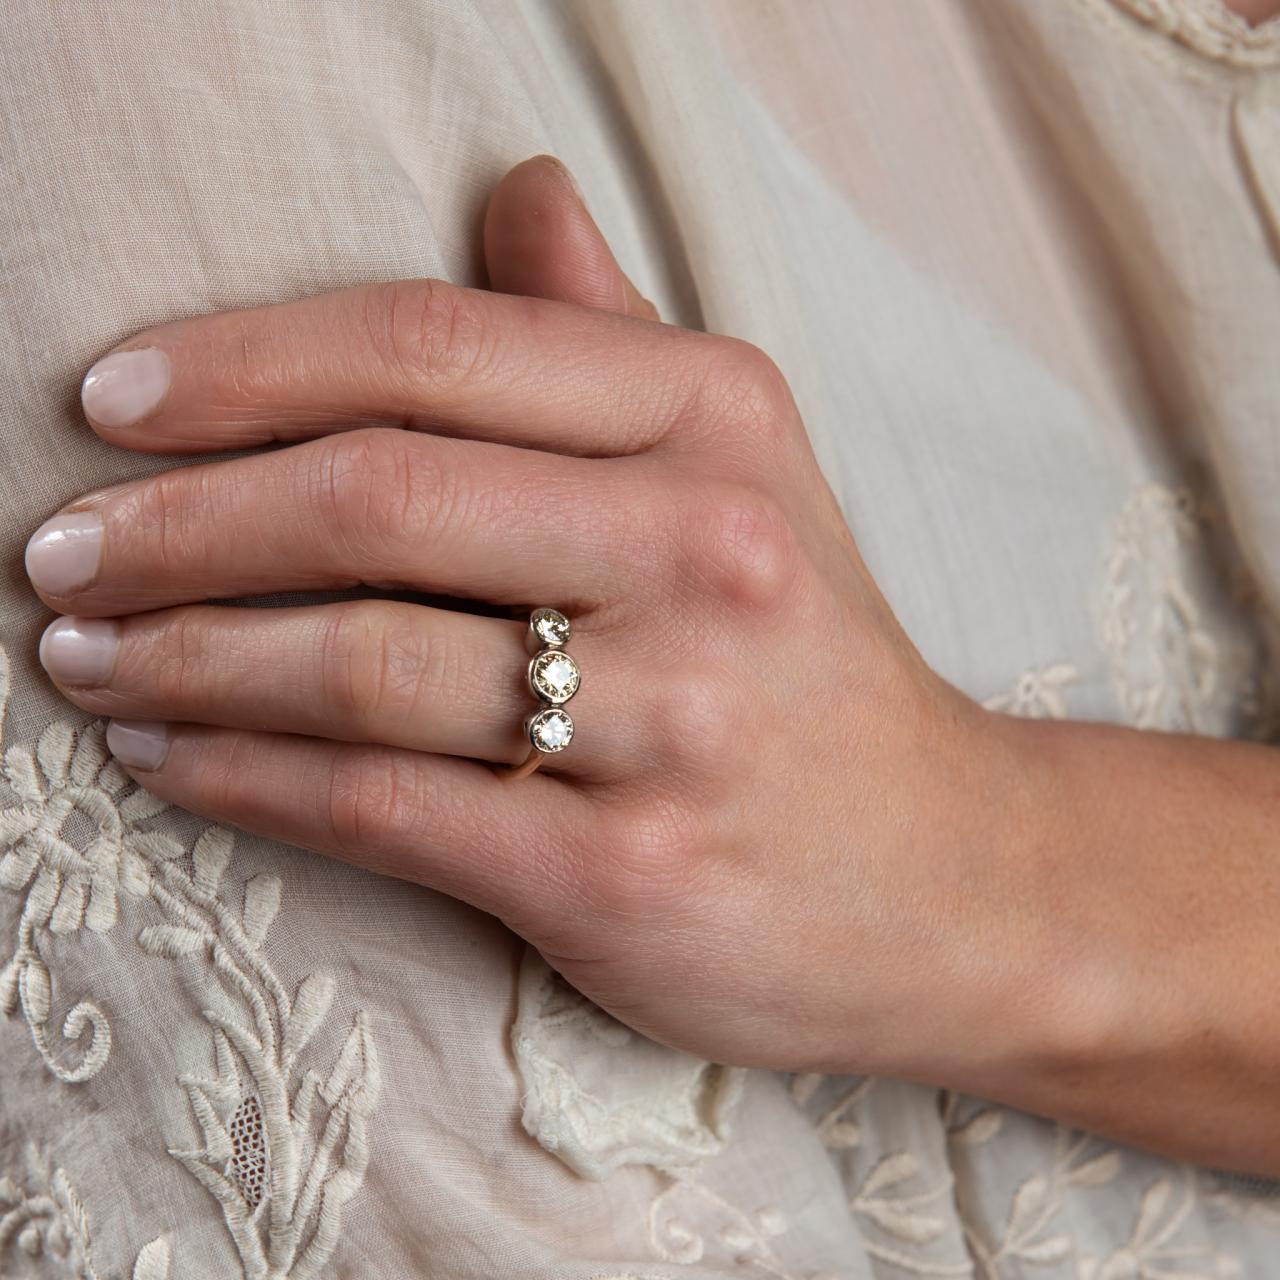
[
  {"x": 740, "y": 1237},
  {"x": 667, "y": 1109},
  {"x": 283, "y": 1148},
  {"x": 834, "y": 1126},
  {"x": 1170, "y": 631},
  {"x": 1150, "y": 1251},
  {"x": 1037, "y": 694},
  {"x": 1029, "y": 1235},
  {"x": 42, "y": 1215},
  {"x": 70, "y": 840}
]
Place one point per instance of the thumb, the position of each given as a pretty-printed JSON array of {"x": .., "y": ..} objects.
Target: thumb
[{"x": 540, "y": 241}]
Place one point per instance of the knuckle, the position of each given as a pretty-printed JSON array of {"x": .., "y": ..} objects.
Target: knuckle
[
  {"x": 177, "y": 660},
  {"x": 431, "y": 331},
  {"x": 696, "y": 727},
  {"x": 382, "y": 487},
  {"x": 370, "y": 798},
  {"x": 166, "y": 518},
  {"x": 746, "y": 390},
  {"x": 351, "y": 676},
  {"x": 378, "y": 670},
  {"x": 739, "y": 546},
  {"x": 647, "y": 860}
]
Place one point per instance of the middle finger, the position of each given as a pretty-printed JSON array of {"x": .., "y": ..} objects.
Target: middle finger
[{"x": 378, "y": 506}]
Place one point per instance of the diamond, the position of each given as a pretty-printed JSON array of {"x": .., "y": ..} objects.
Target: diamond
[
  {"x": 554, "y": 676},
  {"x": 551, "y": 730},
  {"x": 550, "y": 626}
]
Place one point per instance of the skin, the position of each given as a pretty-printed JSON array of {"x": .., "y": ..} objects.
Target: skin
[
  {"x": 1255, "y": 11},
  {"x": 802, "y": 849}
]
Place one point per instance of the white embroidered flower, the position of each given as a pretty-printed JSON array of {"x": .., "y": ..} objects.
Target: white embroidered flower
[
  {"x": 1037, "y": 694},
  {"x": 72, "y": 833}
]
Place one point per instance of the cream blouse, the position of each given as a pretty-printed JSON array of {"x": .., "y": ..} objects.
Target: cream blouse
[{"x": 1019, "y": 260}]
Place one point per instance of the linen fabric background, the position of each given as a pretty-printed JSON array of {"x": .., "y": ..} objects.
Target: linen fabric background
[{"x": 1019, "y": 260}]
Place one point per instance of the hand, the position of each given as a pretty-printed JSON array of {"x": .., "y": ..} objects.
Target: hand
[{"x": 770, "y": 840}]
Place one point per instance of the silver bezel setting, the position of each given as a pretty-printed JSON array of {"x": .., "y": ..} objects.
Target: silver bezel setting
[
  {"x": 532, "y": 723},
  {"x": 549, "y": 629},
  {"x": 544, "y": 692}
]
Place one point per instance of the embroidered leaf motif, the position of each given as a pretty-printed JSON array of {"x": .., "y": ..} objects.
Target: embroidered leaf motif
[
  {"x": 9, "y": 977},
  {"x": 1153, "y": 1204},
  {"x": 217, "y": 1141},
  {"x": 153, "y": 1262},
  {"x": 209, "y": 858},
  {"x": 805, "y": 1085},
  {"x": 20, "y": 770},
  {"x": 978, "y": 1129},
  {"x": 43, "y": 896},
  {"x": 88, "y": 758},
  {"x": 171, "y": 940},
  {"x": 310, "y": 1005},
  {"x": 1053, "y": 1249},
  {"x": 261, "y": 903},
  {"x": 34, "y": 986},
  {"x": 889, "y": 1172},
  {"x": 155, "y": 844},
  {"x": 53, "y": 751},
  {"x": 68, "y": 915},
  {"x": 901, "y": 1221},
  {"x": 139, "y": 805},
  {"x": 101, "y": 915},
  {"x": 842, "y": 1135},
  {"x": 1027, "y": 1201},
  {"x": 1096, "y": 1172}
]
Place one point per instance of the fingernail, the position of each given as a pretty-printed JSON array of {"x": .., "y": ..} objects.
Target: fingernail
[
  {"x": 125, "y": 386},
  {"x": 573, "y": 182},
  {"x": 139, "y": 744},
  {"x": 63, "y": 553},
  {"x": 80, "y": 650}
]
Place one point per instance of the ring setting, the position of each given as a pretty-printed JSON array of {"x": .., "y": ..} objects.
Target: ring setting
[{"x": 553, "y": 678}]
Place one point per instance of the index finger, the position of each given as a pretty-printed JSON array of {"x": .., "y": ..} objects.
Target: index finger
[{"x": 422, "y": 354}]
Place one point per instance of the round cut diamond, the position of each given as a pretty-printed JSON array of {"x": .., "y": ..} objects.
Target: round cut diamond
[
  {"x": 550, "y": 626},
  {"x": 551, "y": 730},
  {"x": 554, "y": 676}
]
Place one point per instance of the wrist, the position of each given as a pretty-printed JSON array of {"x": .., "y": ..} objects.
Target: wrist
[{"x": 1027, "y": 986}]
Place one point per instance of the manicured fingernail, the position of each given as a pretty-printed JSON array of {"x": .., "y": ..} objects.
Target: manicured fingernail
[
  {"x": 80, "y": 650},
  {"x": 63, "y": 553},
  {"x": 139, "y": 744},
  {"x": 125, "y": 386}
]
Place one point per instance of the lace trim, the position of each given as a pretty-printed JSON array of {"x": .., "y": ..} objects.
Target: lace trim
[{"x": 1211, "y": 29}]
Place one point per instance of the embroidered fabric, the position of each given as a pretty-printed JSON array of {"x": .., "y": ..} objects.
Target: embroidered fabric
[
  {"x": 600, "y": 1096},
  {"x": 1210, "y": 28},
  {"x": 1023, "y": 279}
]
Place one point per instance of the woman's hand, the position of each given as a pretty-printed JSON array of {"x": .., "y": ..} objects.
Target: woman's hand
[
  {"x": 777, "y": 837},
  {"x": 762, "y": 844}
]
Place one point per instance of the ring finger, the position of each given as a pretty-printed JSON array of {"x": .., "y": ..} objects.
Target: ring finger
[{"x": 374, "y": 671}]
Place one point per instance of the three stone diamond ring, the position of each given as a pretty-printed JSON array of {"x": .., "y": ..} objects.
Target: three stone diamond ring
[{"x": 553, "y": 679}]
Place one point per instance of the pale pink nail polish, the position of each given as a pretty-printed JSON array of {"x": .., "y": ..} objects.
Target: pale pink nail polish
[
  {"x": 139, "y": 744},
  {"x": 80, "y": 651},
  {"x": 63, "y": 553},
  {"x": 125, "y": 386}
]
